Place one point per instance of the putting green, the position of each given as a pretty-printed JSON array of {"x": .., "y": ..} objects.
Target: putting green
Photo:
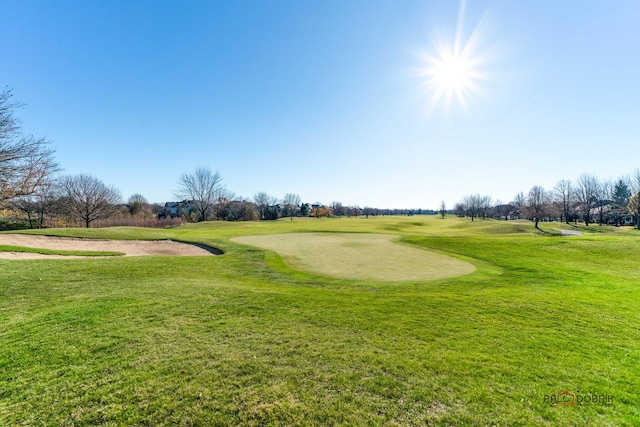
[{"x": 358, "y": 256}]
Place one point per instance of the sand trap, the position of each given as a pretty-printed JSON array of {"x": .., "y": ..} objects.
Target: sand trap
[
  {"x": 129, "y": 247},
  {"x": 359, "y": 256}
]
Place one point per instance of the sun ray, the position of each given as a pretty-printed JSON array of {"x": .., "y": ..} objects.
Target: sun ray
[{"x": 452, "y": 72}]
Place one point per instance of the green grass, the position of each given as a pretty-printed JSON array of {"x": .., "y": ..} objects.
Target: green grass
[
  {"x": 359, "y": 256},
  {"x": 244, "y": 339},
  {"x": 42, "y": 251}
]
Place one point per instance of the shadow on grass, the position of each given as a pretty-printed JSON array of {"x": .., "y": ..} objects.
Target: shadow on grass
[
  {"x": 549, "y": 233},
  {"x": 210, "y": 249}
]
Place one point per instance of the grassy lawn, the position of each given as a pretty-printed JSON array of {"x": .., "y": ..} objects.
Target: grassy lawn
[{"x": 244, "y": 339}]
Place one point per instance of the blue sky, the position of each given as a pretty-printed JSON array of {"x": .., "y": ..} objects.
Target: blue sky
[{"x": 327, "y": 98}]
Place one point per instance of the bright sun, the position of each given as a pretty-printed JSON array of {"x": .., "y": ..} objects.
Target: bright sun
[{"x": 452, "y": 72}]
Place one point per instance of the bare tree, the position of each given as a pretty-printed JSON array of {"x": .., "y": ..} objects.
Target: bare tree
[
  {"x": 537, "y": 203},
  {"x": 471, "y": 205},
  {"x": 87, "y": 198},
  {"x": 476, "y": 205},
  {"x": 443, "y": 209},
  {"x": 203, "y": 189},
  {"x": 38, "y": 205},
  {"x": 634, "y": 181},
  {"x": 157, "y": 209},
  {"x": 338, "y": 209},
  {"x": 634, "y": 208},
  {"x": 239, "y": 210},
  {"x": 25, "y": 161},
  {"x": 603, "y": 198},
  {"x": 502, "y": 210},
  {"x": 564, "y": 194},
  {"x": 586, "y": 194},
  {"x": 221, "y": 204},
  {"x": 138, "y": 205},
  {"x": 291, "y": 201},
  {"x": 263, "y": 201},
  {"x": 48, "y": 196},
  {"x": 27, "y": 205},
  {"x": 485, "y": 205},
  {"x": 519, "y": 202}
]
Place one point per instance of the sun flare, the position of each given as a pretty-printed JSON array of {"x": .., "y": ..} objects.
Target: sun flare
[{"x": 452, "y": 72}]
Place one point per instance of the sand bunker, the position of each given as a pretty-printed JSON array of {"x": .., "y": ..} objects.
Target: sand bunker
[{"x": 129, "y": 247}]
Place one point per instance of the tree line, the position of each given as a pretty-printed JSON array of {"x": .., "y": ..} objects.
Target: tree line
[
  {"x": 587, "y": 199},
  {"x": 33, "y": 192},
  {"x": 205, "y": 197}
]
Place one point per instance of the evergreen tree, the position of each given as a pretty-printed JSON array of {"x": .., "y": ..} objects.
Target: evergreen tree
[{"x": 620, "y": 197}]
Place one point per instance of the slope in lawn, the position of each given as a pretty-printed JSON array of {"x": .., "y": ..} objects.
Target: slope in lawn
[{"x": 358, "y": 256}]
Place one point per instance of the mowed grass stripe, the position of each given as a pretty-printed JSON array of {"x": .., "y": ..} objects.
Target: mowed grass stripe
[{"x": 358, "y": 256}]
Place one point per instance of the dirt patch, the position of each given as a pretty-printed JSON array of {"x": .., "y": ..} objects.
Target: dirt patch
[{"x": 128, "y": 247}]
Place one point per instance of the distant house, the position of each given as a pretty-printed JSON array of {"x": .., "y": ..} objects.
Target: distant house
[
  {"x": 171, "y": 209},
  {"x": 177, "y": 209},
  {"x": 506, "y": 212},
  {"x": 627, "y": 220},
  {"x": 610, "y": 216}
]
